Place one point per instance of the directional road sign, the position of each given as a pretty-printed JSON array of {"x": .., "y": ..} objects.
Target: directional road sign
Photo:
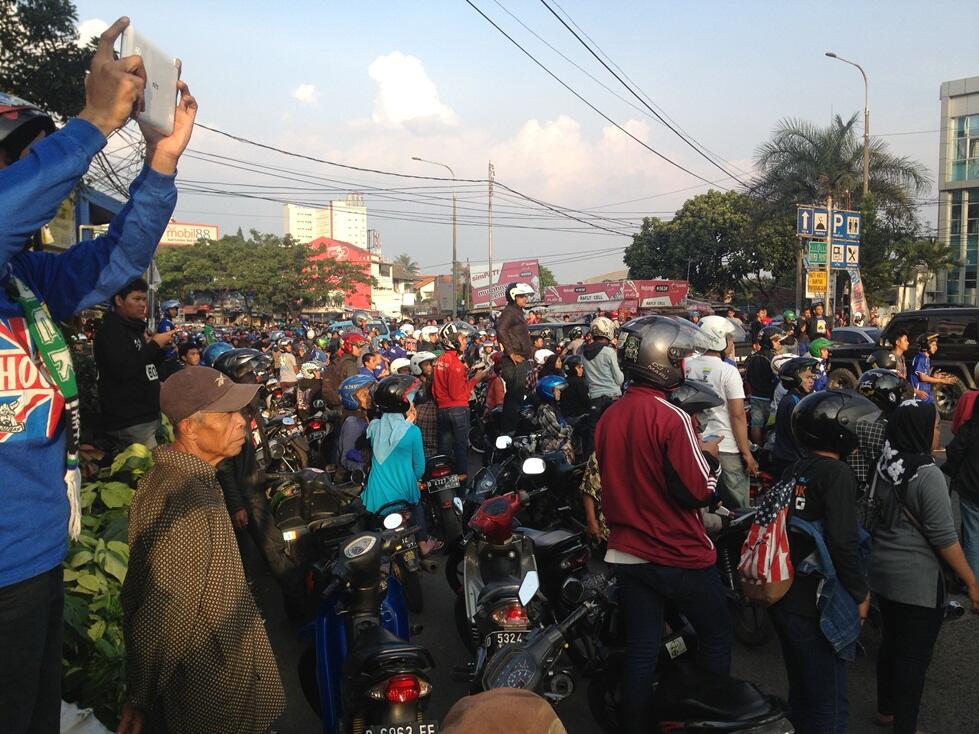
[
  {"x": 816, "y": 252},
  {"x": 813, "y": 221}
]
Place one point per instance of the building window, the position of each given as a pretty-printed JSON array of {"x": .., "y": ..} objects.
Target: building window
[{"x": 965, "y": 148}]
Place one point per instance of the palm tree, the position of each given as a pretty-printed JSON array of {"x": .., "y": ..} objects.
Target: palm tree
[
  {"x": 802, "y": 163},
  {"x": 409, "y": 265}
]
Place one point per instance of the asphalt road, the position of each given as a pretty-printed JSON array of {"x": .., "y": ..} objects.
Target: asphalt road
[{"x": 950, "y": 704}]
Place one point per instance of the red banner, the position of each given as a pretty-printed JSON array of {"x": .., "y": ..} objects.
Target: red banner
[
  {"x": 656, "y": 293},
  {"x": 520, "y": 271},
  {"x": 584, "y": 293}
]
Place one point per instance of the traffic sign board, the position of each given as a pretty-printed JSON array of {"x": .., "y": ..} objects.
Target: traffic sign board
[
  {"x": 813, "y": 221},
  {"x": 816, "y": 252},
  {"x": 844, "y": 255},
  {"x": 816, "y": 282}
]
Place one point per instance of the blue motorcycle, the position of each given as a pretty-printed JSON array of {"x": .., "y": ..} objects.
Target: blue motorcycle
[{"x": 360, "y": 673}]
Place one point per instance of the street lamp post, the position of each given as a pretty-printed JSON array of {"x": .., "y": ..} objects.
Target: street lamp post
[
  {"x": 866, "y": 120},
  {"x": 455, "y": 274}
]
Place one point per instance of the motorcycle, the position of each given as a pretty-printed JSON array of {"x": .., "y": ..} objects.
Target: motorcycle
[
  {"x": 286, "y": 446},
  {"x": 406, "y": 564},
  {"x": 438, "y": 486},
  {"x": 361, "y": 673}
]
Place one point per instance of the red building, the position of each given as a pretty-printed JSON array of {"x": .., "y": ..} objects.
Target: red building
[{"x": 324, "y": 247}]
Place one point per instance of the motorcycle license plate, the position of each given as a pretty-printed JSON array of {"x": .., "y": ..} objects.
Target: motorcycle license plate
[
  {"x": 449, "y": 482},
  {"x": 499, "y": 639},
  {"x": 675, "y": 646},
  {"x": 317, "y": 435},
  {"x": 409, "y": 727}
]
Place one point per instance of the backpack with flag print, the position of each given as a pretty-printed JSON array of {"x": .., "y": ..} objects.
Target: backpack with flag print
[{"x": 765, "y": 567}]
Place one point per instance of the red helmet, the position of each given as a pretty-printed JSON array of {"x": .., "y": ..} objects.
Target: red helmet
[{"x": 352, "y": 338}]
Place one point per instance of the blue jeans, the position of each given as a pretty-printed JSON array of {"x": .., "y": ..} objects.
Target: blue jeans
[
  {"x": 970, "y": 531},
  {"x": 817, "y": 676},
  {"x": 645, "y": 589},
  {"x": 453, "y": 425}
]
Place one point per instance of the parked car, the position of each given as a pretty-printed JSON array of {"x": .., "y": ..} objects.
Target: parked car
[
  {"x": 856, "y": 335},
  {"x": 381, "y": 326},
  {"x": 958, "y": 350},
  {"x": 556, "y": 331}
]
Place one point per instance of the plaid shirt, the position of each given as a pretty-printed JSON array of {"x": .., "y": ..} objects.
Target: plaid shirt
[{"x": 870, "y": 443}]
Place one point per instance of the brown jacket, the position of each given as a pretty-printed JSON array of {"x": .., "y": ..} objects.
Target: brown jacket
[{"x": 198, "y": 659}]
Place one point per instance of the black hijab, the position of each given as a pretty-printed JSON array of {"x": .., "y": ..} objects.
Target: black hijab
[{"x": 907, "y": 444}]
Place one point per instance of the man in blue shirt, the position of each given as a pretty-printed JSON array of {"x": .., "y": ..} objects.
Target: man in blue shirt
[
  {"x": 39, "y": 167},
  {"x": 921, "y": 377}
]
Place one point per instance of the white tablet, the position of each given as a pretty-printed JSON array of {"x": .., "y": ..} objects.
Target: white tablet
[{"x": 162, "y": 73}]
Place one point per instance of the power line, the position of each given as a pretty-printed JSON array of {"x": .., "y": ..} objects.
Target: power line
[
  {"x": 581, "y": 98},
  {"x": 641, "y": 100}
]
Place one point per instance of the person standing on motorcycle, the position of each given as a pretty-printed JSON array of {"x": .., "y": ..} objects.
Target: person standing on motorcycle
[
  {"x": 655, "y": 477},
  {"x": 514, "y": 336},
  {"x": 762, "y": 380},
  {"x": 727, "y": 421},
  {"x": 397, "y": 454},
  {"x": 825, "y": 490},
  {"x": 797, "y": 378},
  {"x": 451, "y": 389},
  {"x": 603, "y": 376}
]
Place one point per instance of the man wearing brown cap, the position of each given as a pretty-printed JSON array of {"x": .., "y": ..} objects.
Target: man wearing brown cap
[{"x": 197, "y": 655}]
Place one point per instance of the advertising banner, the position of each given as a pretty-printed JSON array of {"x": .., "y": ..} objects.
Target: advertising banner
[
  {"x": 182, "y": 234},
  {"x": 488, "y": 291},
  {"x": 583, "y": 293},
  {"x": 656, "y": 293},
  {"x": 858, "y": 302}
]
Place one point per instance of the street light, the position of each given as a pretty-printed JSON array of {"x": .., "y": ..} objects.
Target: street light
[
  {"x": 866, "y": 121},
  {"x": 455, "y": 275}
]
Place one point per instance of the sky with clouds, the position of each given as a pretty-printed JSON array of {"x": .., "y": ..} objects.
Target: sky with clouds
[{"x": 373, "y": 84}]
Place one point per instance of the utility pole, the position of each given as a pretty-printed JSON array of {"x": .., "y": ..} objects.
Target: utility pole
[
  {"x": 827, "y": 306},
  {"x": 491, "y": 173},
  {"x": 455, "y": 262}
]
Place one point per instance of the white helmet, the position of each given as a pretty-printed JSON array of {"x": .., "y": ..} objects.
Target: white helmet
[
  {"x": 779, "y": 360},
  {"x": 309, "y": 370},
  {"x": 429, "y": 331},
  {"x": 518, "y": 289},
  {"x": 416, "y": 361},
  {"x": 601, "y": 326},
  {"x": 398, "y": 364},
  {"x": 310, "y": 334},
  {"x": 407, "y": 328},
  {"x": 541, "y": 355},
  {"x": 717, "y": 329}
]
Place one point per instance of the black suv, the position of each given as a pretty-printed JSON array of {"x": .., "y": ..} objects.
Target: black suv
[{"x": 958, "y": 351}]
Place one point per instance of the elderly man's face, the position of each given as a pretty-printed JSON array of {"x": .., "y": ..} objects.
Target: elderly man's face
[{"x": 214, "y": 436}]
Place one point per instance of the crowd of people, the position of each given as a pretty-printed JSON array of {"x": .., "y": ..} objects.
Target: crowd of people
[{"x": 198, "y": 658}]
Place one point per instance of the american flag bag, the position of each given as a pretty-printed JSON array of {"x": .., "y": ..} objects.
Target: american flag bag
[{"x": 765, "y": 567}]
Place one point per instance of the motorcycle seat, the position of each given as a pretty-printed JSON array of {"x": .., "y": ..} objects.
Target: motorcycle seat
[
  {"x": 689, "y": 693},
  {"x": 376, "y": 649},
  {"x": 546, "y": 540}
]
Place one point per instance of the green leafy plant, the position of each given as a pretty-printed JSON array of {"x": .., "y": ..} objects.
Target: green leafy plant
[{"x": 95, "y": 567}]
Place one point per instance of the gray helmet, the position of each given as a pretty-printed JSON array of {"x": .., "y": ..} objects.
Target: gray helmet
[
  {"x": 450, "y": 333},
  {"x": 652, "y": 349},
  {"x": 172, "y": 303}
]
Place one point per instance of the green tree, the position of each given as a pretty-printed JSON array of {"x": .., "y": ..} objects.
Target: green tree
[
  {"x": 802, "y": 163},
  {"x": 405, "y": 261},
  {"x": 546, "y": 277},
  {"x": 40, "y": 59}
]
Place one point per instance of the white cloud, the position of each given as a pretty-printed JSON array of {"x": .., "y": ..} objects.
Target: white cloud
[
  {"x": 305, "y": 93},
  {"x": 406, "y": 97},
  {"x": 89, "y": 28}
]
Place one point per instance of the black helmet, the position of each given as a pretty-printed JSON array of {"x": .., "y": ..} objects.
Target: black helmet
[
  {"x": 788, "y": 373},
  {"x": 925, "y": 339},
  {"x": 695, "y": 396},
  {"x": 827, "y": 420},
  {"x": 576, "y": 332},
  {"x": 652, "y": 349},
  {"x": 570, "y": 362},
  {"x": 518, "y": 289},
  {"x": 771, "y": 334},
  {"x": 248, "y": 366},
  {"x": 450, "y": 333},
  {"x": 883, "y": 359},
  {"x": 359, "y": 319},
  {"x": 20, "y": 123},
  {"x": 395, "y": 394},
  {"x": 884, "y": 388}
]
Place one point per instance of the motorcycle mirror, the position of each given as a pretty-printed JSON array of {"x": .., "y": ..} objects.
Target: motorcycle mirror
[
  {"x": 392, "y": 521},
  {"x": 533, "y": 465},
  {"x": 503, "y": 442},
  {"x": 528, "y": 587},
  {"x": 457, "y": 504}
]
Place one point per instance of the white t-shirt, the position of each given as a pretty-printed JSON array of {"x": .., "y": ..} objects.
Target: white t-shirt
[
  {"x": 726, "y": 381},
  {"x": 287, "y": 370}
]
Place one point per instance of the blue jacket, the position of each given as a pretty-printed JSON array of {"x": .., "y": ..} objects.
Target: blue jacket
[
  {"x": 33, "y": 524},
  {"x": 839, "y": 618}
]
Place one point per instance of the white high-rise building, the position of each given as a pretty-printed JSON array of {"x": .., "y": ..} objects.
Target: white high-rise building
[{"x": 345, "y": 221}]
